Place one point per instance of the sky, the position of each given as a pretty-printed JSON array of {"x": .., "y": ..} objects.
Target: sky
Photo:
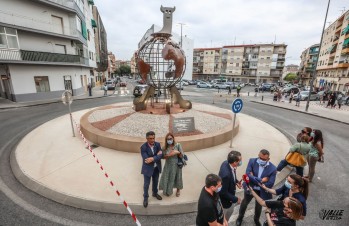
[{"x": 215, "y": 23}]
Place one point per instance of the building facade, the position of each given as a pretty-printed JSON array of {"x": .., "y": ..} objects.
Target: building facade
[
  {"x": 333, "y": 64},
  {"x": 44, "y": 48},
  {"x": 111, "y": 64},
  {"x": 291, "y": 68},
  {"x": 243, "y": 63},
  {"x": 308, "y": 63}
]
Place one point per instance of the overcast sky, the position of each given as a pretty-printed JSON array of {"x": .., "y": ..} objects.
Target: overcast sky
[{"x": 214, "y": 23}]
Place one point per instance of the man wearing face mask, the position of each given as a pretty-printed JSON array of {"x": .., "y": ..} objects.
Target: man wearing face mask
[
  {"x": 229, "y": 183},
  {"x": 210, "y": 210},
  {"x": 260, "y": 171}
]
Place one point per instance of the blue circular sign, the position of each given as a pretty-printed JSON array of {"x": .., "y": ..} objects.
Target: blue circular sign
[{"x": 237, "y": 105}]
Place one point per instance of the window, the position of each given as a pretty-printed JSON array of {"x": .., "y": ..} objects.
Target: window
[
  {"x": 60, "y": 49},
  {"x": 237, "y": 64},
  {"x": 8, "y": 38},
  {"x": 42, "y": 84},
  {"x": 78, "y": 24}
]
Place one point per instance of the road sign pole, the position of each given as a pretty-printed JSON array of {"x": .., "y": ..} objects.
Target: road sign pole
[
  {"x": 71, "y": 121},
  {"x": 232, "y": 136},
  {"x": 67, "y": 100}
]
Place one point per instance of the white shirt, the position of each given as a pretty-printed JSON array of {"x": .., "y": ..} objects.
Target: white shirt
[{"x": 152, "y": 150}]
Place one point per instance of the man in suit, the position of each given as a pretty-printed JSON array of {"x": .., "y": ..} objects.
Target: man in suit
[
  {"x": 229, "y": 182},
  {"x": 151, "y": 167},
  {"x": 260, "y": 171}
]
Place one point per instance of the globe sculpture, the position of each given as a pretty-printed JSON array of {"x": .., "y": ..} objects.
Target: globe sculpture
[{"x": 161, "y": 64}]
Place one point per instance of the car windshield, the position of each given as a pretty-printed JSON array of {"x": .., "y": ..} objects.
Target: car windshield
[{"x": 305, "y": 92}]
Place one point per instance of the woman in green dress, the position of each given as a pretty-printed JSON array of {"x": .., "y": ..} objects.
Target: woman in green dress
[{"x": 171, "y": 176}]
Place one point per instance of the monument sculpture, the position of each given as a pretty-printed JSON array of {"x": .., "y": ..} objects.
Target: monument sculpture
[{"x": 161, "y": 64}]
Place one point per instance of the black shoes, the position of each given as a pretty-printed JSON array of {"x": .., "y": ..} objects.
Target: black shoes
[
  {"x": 238, "y": 222},
  {"x": 157, "y": 196},
  {"x": 145, "y": 203},
  {"x": 257, "y": 223}
]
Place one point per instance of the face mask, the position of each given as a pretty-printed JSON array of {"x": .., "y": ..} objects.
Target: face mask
[
  {"x": 240, "y": 163},
  {"x": 261, "y": 162},
  {"x": 169, "y": 142},
  {"x": 288, "y": 185},
  {"x": 218, "y": 189},
  {"x": 312, "y": 134}
]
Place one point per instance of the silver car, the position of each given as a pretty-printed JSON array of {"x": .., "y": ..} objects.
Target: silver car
[{"x": 305, "y": 95}]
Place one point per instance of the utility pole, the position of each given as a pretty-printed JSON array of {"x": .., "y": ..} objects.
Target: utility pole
[
  {"x": 317, "y": 59},
  {"x": 180, "y": 82},
  {"x": 181, "y": 24}
]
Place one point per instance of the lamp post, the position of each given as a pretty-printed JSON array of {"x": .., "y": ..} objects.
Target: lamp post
[
  {"x": 317, "y": 58},
  {"x": 181, "y": 24}
]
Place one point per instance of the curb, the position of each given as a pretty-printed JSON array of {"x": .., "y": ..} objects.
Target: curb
[{"x": 307, "y": 113}]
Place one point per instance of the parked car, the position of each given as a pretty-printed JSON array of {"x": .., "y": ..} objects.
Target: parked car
[
  {"x": 203, "y": 85},
  {"x": 223, "y": 86},
  {"x": 192, "y": 82},
  {"x": 305, "y": 95},
  {"x": 122, "y": 84},
  {"x": 288, "y": 90},
  {"x": 178, "y": 86},
  {"x": 110, "y": 85}
]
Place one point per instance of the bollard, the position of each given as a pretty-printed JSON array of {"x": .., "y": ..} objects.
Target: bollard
[
  {"x": 248, "y": 93},
  {"x": 262, "y": 98}
]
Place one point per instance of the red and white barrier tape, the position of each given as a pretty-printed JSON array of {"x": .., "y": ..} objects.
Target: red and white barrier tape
[{"x": 107, "y": 176}]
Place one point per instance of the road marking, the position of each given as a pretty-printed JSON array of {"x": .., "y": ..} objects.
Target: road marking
[{"x": 24, "y": 204}]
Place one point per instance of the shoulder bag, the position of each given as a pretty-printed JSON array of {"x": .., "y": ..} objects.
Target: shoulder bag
[{"x": 295, "y": 158}]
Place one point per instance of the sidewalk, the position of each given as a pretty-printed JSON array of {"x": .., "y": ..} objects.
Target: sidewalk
[
  {"x": 97, "y": 92},
  {"x": 315, "y": 108}
]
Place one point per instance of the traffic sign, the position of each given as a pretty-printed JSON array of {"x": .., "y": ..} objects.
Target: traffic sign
[
  {"x": 67, "y": 98},
  {"x": 237, "y": 105}
]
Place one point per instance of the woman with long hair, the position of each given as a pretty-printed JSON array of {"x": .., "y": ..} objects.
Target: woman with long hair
[
  {"x": 316, "y": 152},
  {"x": 171, "y": 176},
  {"x": 295, "y": 186},
  {"x": 278, "y": 213}
]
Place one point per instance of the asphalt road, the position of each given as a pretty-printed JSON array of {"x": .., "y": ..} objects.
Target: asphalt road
[{"x": 20, "y": 206}]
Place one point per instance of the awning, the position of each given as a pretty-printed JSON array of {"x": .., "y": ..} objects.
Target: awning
[
  {"x": 346, "y": 42},
  {"x": 91, "y": 2},
  {"x": 83, "y": 29},
  {"x": 345, "y": 30},
  {"x": 93, "y": 23}
]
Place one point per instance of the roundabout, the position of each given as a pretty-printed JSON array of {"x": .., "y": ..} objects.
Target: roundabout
[{"x": 56, "y": 165}]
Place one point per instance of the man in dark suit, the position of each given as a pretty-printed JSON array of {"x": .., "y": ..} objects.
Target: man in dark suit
[
  {"x": 151, "y": 167},
  {"x": 260, "y": 171},
  {"x": 229, "y": 182}
]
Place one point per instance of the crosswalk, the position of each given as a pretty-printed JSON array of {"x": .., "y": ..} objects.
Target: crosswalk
[{"x": 121, "y": 92}]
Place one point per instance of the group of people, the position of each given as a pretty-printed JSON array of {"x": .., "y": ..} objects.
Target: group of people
[
  {"x": 171, "y": 177},
  {"x": 218, "y": 196},
  {"x": 333, "y": 99}
]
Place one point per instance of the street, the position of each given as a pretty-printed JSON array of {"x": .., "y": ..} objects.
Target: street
[{"x": 20, "y": 206}]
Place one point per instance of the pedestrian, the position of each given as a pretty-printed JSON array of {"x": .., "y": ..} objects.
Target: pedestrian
[
  {"x": 291, "y": 97},
  {"x": 171, "y": 176},
  {"x": 298, "y": 99},
  {"x": 229, "y": 89},
  {"x": 229, "y": 183},
  {"x": 210, "y": 210},
  {"x": 238, "y": 90},
  {"x": 105, "y": 88},
  {"x": 305, "y": 130},
  {"x": 316, "y": 152},
  {"x": 260, "y": 171},
  {"x": 151, "y": 166},
  {"x": 331, "y": 100},
  {"x": 280, "y": 213},
  {"x": 295, "y": 186},
  {"x": 89, "y": 87},
  {"x": 279, "y": 95},
  {"x": 340, "y": 100},
  {"x": 302, "y": 148}
]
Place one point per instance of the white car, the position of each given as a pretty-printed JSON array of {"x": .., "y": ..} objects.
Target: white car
[{"x": 203, "y": 85}]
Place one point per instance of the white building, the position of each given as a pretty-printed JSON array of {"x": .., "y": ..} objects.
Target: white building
[
  {"x": 46, "y": 47},
  {"x": 187, "y": 47}
]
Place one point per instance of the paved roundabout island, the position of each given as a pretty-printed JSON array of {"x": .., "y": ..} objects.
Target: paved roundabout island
[{"x": 53, "y": 163}]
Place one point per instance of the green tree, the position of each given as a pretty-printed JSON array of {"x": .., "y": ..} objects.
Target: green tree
[
  {"x": 124, "y": 70},
  {"x": 290, "y": 77}
]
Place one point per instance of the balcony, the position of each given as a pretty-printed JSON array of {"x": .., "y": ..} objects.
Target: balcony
[
  {"x": 281, "y": 59},
  {"x": 41, "y": 57},
  {"x": 343, "y": 64},
  {"x": 68, "y": 5}
]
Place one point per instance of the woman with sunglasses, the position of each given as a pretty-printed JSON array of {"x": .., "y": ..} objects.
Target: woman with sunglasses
[
  {"x": 171, "y": 176},
  {"x": 305, "y": 130},
  {"x": 295, "y": 186},
  {"x": 278, "y": 213},
  {"x": 316, "y": 152}
]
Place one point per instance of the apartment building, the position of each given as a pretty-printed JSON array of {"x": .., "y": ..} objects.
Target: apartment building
[
  {"x": 333, "y": 63},
  {"x": 244, "y": 63},
  {"x": 111, "y": 64},
  {"x": 46, "y": 47},
  {"x": 290, "y": 69},
  {"x": 308, "y": 63}
]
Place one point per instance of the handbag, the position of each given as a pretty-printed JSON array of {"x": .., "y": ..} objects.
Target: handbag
[
  {"x": 295, "y": 159},
  {"x": 181, "y": 161}
]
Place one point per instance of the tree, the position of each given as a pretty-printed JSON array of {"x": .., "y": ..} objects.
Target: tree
[
  {"x": 123, "y": 70},
  {"x": 290, "y": 77}
]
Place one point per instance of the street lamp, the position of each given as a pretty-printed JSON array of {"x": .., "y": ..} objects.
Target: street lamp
[
  {"x": 181, "y": 24},
  {"x": 317, "y": 58}
]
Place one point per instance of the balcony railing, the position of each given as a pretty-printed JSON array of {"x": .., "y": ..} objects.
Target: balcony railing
[
  {"x": 35, "y": 56},
  {"x": 281, "y": 59}
]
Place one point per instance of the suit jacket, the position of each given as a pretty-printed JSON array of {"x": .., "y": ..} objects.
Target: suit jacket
[
  {"x": 227, "y": 193},
  {"x": 269, "y": 171},
  {"x": 148, "y": 168}
]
